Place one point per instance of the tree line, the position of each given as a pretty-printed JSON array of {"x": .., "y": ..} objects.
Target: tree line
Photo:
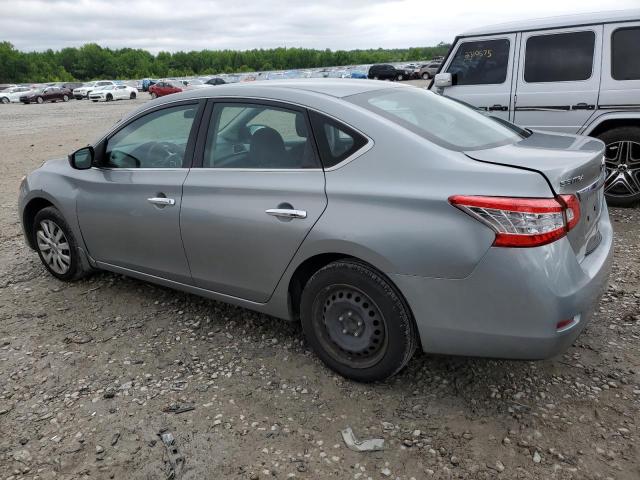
[{"x": 91, "y": 61}]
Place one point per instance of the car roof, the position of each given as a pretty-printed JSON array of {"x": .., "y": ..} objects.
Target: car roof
[{"x": 557, "y": 22}]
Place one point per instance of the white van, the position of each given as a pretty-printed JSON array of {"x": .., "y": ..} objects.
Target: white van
[{"x": 573, "y": 74}]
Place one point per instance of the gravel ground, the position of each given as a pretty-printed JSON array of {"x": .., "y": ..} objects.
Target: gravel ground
[{"x": 91, "y": 373}]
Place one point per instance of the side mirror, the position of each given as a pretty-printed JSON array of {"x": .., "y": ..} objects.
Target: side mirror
[
  {"x": 82, "y": 159},
  {"x": 443, "y": 80}
]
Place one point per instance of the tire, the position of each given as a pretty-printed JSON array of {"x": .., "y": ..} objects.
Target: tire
[
  {"x": 65, "y": 98},
  {"x": 132, "y": 96},
  {"x": 109, "y": 97},
  {"x": 426, "y": 76},
  {"x": 5, "y": 100},
  {"x": 40, "y": 100},
  {"x": 68, "y": 265},
  {"x": 154, "y": 95},
  {"x": 375, "y": 77},
  {"x": 622, "y": 154},
  {"x": 357, "y": 322},
  {"x": 400, "y": 77}
]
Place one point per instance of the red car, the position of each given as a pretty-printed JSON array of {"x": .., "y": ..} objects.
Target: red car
[{"x": 163, "y": 88}]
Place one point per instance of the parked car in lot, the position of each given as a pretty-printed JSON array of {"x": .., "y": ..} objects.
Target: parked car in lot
[
  {"x": 572, "y": 74},
  {"x": 113, "y": 92},
  {"x": 163, "y": 88},
  {"x": 289, "y": 198},
  {"x": 71, "y": 85},
  {"x": 84, "y": 91},
  {"x": 215, "y": 81},
  {"x": 386, "y": 72},
  {"x": 13, "y": 94},
  {"x": 47, "y": 94},
  {"x": 428, "y": 70}
]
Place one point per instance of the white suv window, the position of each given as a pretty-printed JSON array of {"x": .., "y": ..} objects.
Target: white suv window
[
  {"x": 482, "y": 62},
  {"x": 561, "y": 57},
  {"x": 625, "y": 62}
]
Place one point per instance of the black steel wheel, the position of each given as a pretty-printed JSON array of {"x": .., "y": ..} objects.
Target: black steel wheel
[
  {"x": 357, "y": 322},
  {"x": 622, "y": 159}
]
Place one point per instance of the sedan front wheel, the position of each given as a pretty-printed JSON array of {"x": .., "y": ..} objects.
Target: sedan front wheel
[
  {"x": 357, "y": 322},
  {"x": 57, "y": 246}
]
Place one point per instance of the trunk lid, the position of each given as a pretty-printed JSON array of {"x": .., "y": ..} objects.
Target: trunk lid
[{"x": 572, "y": 165}]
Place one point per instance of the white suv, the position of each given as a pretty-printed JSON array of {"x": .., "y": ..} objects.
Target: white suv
[
  {"x": 84, "y": 91},
  {"x": 572, "y": 74}
]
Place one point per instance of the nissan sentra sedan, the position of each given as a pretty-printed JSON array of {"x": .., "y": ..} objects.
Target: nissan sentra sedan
[{"x": 383, "y": 217}]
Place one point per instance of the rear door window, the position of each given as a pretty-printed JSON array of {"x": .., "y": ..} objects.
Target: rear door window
[
  {"x": 482, "y": 62},
  {"x": 625, "y": 61},
  {"x": 561, "y": 57}
]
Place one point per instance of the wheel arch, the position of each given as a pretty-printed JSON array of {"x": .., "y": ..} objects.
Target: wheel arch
[
  {"x": 29, "y": 213},
  {"x": 611, "y": 121}
]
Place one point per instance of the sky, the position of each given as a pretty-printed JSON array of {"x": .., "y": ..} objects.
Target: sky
[{"x": 173, "y": 25}]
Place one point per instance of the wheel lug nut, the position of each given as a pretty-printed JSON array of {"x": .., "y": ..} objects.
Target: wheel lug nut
[
  {"x": 355, "y": 334},
  {"x": 344, "y": 330},
  {"x": 349, "y": 314},
  {"x": 359, "y": 323}
]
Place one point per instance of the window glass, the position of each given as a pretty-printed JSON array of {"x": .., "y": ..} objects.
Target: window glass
[
  {"x": 625, "y": 62},
  {"x": 336, "y": 142},
  {"x": 562, "y": 57},
  {"x": 157, "y": 140},
  {"x": 244, "y": 135},
  {"x": 443, "y": 121},
  {"x": 480, "y": 62}
]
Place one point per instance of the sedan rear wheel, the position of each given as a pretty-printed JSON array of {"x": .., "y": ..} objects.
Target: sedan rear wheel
[
  {"x": 57, "y": 246},
  {"x": 357, "y": 322},
  {"x": 132, "y": 96},
  {"x": 40, "y": 100},
  {"x": 622, "y": 160}
]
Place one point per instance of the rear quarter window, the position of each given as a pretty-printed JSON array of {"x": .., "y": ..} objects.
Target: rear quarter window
[{"x": 625, "y": 61}]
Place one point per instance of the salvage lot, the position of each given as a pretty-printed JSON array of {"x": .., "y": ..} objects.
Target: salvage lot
[{"x": 92, "y": 372}]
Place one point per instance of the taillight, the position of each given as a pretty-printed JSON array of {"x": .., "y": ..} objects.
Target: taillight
[{"x": 522, "y": 222}]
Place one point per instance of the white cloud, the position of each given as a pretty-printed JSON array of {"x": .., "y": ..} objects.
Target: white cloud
[{"x": 194, "y": 25}]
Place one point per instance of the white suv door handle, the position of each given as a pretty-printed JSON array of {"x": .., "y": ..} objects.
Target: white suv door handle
[
  {"x": 161, "y": 201},
  {"x": 286, "y": 213}
]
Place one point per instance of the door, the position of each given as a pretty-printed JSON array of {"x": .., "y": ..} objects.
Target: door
[
  {"x": 258, "y": 192},
  {"x": 120, "y": 92},
  {"x": 558, "y": 78},
  {"x": 129, "y": 205},
  {"x": 481, "y": 69}
]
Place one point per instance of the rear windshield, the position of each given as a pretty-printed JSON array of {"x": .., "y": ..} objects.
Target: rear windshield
[{"x": 445, "y": 122}]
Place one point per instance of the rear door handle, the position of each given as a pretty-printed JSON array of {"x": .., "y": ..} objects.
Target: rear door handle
[
  {"x": 583, "y": 106},
  {"x": 498, "y": 107},
  {"x": 286, "y": 213},
  {"x": 161, "y": 201}
]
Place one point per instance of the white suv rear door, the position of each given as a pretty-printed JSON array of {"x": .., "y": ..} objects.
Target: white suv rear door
[{"x": 558, "y": 78}]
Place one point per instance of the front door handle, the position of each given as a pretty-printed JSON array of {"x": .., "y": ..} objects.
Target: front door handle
[
  {"x": 498, "y": 107},
  {"x": 583, "y": 106},
  {"x": 164, "y": 201},
  {"x": 286, "y": 213}
]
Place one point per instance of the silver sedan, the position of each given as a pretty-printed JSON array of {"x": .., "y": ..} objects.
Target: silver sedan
[{"x": 383, "y": 217}]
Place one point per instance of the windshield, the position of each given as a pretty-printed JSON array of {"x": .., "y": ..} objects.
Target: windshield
[{"x": 445, "y": 122}]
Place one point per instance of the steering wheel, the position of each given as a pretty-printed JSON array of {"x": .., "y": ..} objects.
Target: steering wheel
[{"x": 165, "y": 155}]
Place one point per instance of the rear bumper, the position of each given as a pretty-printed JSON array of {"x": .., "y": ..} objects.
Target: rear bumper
[{"x": 510, "y": 305}]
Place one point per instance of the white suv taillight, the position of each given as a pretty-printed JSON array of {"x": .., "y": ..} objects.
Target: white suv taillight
[{"x": 522, "y": 222}]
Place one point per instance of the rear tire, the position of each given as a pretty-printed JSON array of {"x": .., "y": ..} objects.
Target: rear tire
[
  {"x": 57, "y": 246},
  {"x": 622, "y": 157},
  {"x": 5, "y": 100},
  {"x": 426, "y": 76},
  {"x": 357, "y": 322},
  {"x": 132, "y": 96}
]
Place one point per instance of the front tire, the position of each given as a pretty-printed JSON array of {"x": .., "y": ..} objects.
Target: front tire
[
  {"x": 5, "y": 100},
  {"x": 65, "y": 98},
  {"x": 154, "y": 95},
  {"x": 109, "y": 97},
  {"x": 622, "y": 159},
  {"x": 357, "y": 322},
  {"x": 426, "y": 76},
  {"x": 40, "y": 100},
  {"x": 57, "y": 246}
]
